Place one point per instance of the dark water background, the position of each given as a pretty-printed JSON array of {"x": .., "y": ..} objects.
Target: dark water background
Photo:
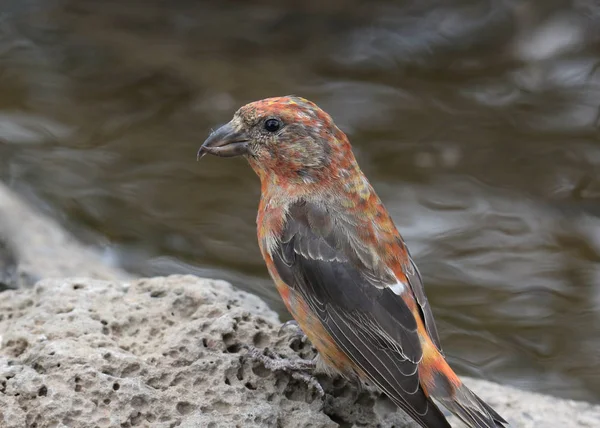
[{"x": 476, "y": 121}]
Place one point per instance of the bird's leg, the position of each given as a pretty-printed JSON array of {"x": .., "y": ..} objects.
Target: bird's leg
[
  {"x": 358, "y": 387},
  {"x": 298, "y": 368},
  {"x": 274, "y": 362}
]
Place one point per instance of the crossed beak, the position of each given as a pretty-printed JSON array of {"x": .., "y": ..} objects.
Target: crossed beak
[{"x": 225, "y": 142}]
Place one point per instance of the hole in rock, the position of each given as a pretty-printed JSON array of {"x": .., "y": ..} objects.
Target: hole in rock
[
  {"x": 232, "y": 349},
  {"x": 184, "y": 408},
  {"x": 260, "y": 340}
]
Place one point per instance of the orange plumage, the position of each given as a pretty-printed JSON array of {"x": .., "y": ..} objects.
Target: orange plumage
[{"x": 340, "y": 264}]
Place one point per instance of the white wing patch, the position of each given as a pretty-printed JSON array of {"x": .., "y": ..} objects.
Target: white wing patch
[{"x": 398, "y": 288}]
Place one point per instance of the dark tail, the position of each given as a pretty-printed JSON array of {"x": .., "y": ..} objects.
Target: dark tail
[{"x": 471, "y": 409}]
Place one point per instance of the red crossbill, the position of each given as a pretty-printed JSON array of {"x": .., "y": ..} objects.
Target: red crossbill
[{"x": 339, "y": 263}]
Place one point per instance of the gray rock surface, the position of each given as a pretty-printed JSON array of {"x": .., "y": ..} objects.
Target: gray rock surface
[
  {"x": 33, "y": 246},
  {"x": 168, "y": 352}
]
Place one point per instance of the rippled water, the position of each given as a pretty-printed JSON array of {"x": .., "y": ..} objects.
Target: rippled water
[{"x": 476, "y": 121}]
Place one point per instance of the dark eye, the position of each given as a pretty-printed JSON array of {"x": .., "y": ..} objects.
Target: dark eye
[{"x": 272, "y": 125}]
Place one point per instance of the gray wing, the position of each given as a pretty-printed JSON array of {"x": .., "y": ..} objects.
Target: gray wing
[{"x": 345, "y": 289}]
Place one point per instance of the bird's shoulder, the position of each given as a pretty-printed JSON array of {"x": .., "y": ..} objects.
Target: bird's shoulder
[
  {"x": 369, "y": 246},
  {"x": 329, "y": 230}
]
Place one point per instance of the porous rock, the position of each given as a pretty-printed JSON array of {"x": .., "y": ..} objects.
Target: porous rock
[
  {"x": 170, "y": 352},
  {"x": 160, "y": 352}
]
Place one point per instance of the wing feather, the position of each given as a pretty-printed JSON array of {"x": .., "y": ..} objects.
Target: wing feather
[
  {"x": 416, "y": 284},
  {"x": 349, "y": 293}
]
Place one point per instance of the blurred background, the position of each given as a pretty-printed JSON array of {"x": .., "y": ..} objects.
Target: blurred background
[{"x": 476, "y": 121}]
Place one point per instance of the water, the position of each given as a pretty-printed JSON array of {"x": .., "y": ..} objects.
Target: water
[{"x": 476, "y": 121}]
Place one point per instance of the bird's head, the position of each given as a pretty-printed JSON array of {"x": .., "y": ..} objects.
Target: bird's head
[{"x": 285, "y": 139}]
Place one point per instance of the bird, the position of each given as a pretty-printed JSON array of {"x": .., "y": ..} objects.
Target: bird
[{"x": 339, "y": 263}]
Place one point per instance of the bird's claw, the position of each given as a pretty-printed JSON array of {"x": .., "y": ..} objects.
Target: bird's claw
[
  {"x": 297, "y": 368},
  {"x": 296, "y": 334},
  {"x": 309, "y": 380},
  {"x": 288, "y": 325}
]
